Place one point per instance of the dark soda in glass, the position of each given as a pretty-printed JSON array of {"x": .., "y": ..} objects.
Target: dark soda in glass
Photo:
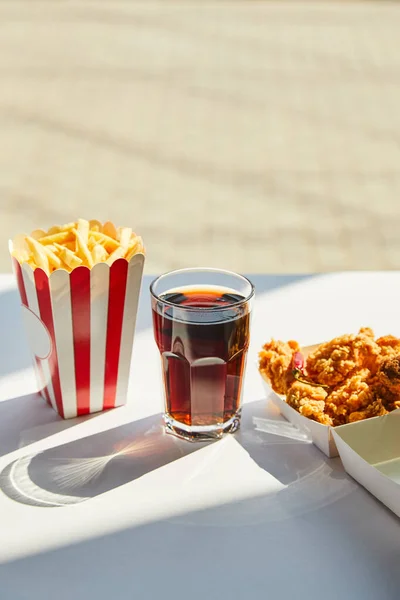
[{"x": 203, "y": 336}]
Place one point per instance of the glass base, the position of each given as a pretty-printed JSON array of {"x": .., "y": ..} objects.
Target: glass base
[{"x": 201, "y": 433}]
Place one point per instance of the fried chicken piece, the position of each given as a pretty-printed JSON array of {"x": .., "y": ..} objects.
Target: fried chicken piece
[
  {"x": 337, "y": 413},
  {"x": 389, "y": 374},
  {"x": 309, "y": 401},
  {"x": 375, "y": 409},
  {"x": 367, "y": 331},
  {"x": 274, "y": 363},
  {"x": 361, "y": 377},
  {"x": 353, "y": 395},
  {"x": 386, "y": 384},
  {"x": 389, "y": 345},
  {"x": 389, "y": 400},
  {"x": 342, "y": 357},
  {"x": 354, "y": 392}
]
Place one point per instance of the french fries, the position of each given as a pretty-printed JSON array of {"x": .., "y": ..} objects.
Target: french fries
[
  {"x": 99, "y": 253},
  {"x": 81, "y": 243},
  {"x": 108, "y": 242},
  {"x": 82, "y": 250}
]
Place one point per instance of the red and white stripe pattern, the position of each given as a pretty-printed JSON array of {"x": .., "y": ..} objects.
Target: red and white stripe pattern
[{"x": 90, "y": 317}]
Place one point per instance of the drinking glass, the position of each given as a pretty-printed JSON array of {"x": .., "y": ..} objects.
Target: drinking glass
[{"x": 201, "y": 320}]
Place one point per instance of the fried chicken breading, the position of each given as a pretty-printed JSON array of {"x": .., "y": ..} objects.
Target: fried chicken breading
[
  {"x": 389, "y": 345},
  {"x": 389, "y": 400},
  {"x": 386, "y": 384},
  {"x": 367, "y": 331},
  {"x": 274, "y": 363},
  {"x": 389, "y": 374},
  {"x": 350, "y": 378},
  {"x": 342, "y": 357},
  {"x": 309, "y": 401},
  {"x": 353, "y": 395},
  {"x": 354, "y": 392},
  {"x": 375, "y": 409}
]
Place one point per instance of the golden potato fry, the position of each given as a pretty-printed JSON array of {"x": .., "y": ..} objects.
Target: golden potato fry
[
  {"x": 77, "y": 243},
  {"x": 82, "y": 250},
  {"x": 110, "y": 230},
  {"x": 60, "y": 238},
  {"x": 67, "y": 267},
  {"x": 69, "y": 226},
  {"x": 70, "y": 246},
  {"x": 133, "y": 242},
  {"x": 53, "y": 230},
  {"x": 20, "y": 249},
  {"x": 68, "y": 257},
  {"x": 59, "y": 228},
  {"x": 52, "y": 257},
  {"x": 39, "y": 255},
  {"x": 109, "y": 244},
  {"x": 37, "y": 234},
  {"x": 95, "y": 225},
  {"x": 135, "y": 246},
  {"x": 118, "y": 253},
  {"x": 83, "y": 229},
  {"x": 125, "y": 236},
  {"x": 21, "y": 255},
  {"x": 31, "y": 263},
  {"x": 99, "y": 253}
]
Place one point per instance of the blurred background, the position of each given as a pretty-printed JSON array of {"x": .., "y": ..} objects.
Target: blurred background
[{"x": 251, "y": 135}]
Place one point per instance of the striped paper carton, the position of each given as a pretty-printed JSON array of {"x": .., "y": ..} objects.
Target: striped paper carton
[{"x": 80, "y": 326}]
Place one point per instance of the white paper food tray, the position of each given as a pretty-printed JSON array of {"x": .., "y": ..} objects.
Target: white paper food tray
[{"x": 370, "y": 453}]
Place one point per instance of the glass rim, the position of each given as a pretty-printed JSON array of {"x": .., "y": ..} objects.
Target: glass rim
[{"x": 203, "y": 308}]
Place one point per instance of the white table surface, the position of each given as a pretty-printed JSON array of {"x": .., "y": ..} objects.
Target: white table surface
[{"x": 108, "y": 507}]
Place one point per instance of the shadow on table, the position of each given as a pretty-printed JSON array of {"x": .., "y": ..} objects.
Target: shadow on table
[
  {"x": 17, "y": 355},
  {"x": 82, "y": 469},
  {"x": 28, "y": 419},
  {"x": 274, "y": 444},
  {"x": 259, "y": 541},
  {"x": 85, "y": 468}
]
